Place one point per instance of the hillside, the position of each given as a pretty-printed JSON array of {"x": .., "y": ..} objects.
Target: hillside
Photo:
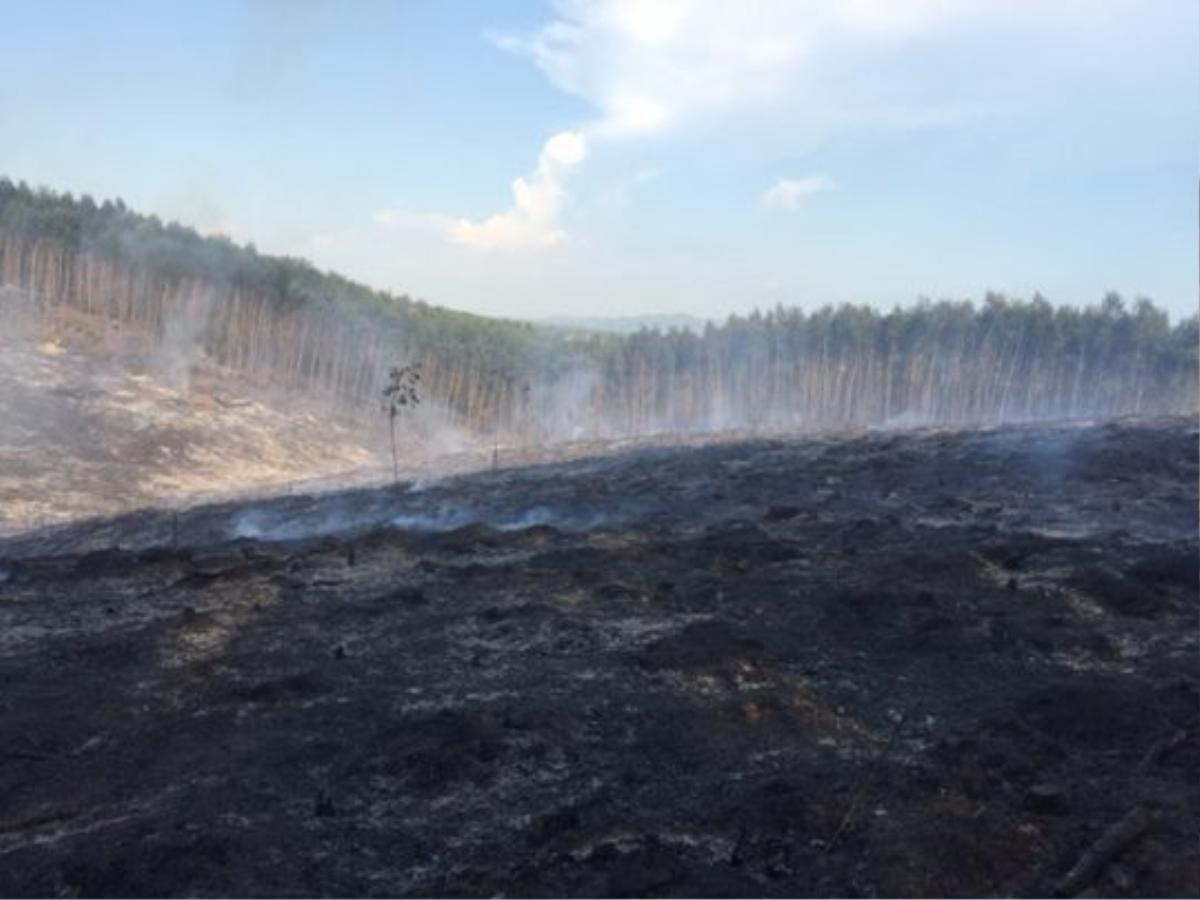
[
  {"x": 95, "y": 422},
  {"x": 273, "y": 371},
  {"x": 937, "y": 663},
  {"x": 280, "y": 321}
]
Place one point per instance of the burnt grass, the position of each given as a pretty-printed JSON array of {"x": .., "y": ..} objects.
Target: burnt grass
[{"x": 927, "y": 663}]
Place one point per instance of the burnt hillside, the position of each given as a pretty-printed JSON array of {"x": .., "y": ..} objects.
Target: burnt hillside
[{"x": 937, "y": 663}]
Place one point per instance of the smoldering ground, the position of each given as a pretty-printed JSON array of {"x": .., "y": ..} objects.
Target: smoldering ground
[
  {"x": 167, "y": 368},
  {"x": 814, "y": 667},
  {"x": 421, "y": 515}
]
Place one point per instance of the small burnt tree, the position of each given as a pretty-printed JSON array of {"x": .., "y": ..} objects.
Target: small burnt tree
[{"x": 402, "y": 393}]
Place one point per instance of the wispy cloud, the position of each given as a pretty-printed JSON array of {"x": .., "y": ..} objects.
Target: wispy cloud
[
  {"x": 645, "y": 66},
  {"x": 810, "y": 70},
  {"x": 649, "y": 65},
  {"x": 786, "y": 193},
  {"x": 399, "y": 219}
]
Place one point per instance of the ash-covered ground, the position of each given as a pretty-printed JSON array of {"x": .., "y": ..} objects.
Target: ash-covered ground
[
  {"x": 935, "y": 663},
  {"x": 88, "y": 429}
]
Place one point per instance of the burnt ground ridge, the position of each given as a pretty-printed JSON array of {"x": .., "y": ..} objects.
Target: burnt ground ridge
[{"x": 929, "y": 663}]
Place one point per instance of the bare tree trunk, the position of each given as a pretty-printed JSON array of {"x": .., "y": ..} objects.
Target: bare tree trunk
[{"x": 395, "y": 458}]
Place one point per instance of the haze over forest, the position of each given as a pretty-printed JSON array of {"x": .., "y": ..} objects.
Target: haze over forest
[
  {"x": 280, "y": 323},
  {"x": 666, "y": 219}
]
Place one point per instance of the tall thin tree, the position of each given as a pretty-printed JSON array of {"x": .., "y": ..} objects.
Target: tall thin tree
[{"x": 402, "y": 393}]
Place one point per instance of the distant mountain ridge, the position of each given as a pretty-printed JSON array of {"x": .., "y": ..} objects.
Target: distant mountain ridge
[{"x": 626, "y": 324}]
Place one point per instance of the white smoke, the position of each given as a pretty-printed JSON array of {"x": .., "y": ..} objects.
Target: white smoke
[
  {"x": 445, "y": 518},
  {"x": 263, "y": 523},
  {"x": 574, "y": 520},
  {"x": 184, "y": 330}
]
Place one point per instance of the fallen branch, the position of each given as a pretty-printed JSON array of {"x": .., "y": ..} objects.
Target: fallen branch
[
  {"x": 1159, "y": 749},
  {"x": 1119, "y": 836}
]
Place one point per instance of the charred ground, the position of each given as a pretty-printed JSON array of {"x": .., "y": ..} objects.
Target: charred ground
[{"x": 900, "y": 664}]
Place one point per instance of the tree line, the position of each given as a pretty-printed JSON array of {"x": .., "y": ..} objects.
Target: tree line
[{"x": 281, "y": 322}]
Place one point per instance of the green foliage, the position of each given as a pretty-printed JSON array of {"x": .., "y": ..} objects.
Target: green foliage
[
  {"x": 944, "y": 361},
  {"x": 401, "y": 394}
]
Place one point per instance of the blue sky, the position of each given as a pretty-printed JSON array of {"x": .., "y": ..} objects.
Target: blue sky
[{"x": 672, "y": 156}]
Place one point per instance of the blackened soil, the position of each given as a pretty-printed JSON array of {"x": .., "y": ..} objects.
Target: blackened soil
[{"x": 900, "y": 664}]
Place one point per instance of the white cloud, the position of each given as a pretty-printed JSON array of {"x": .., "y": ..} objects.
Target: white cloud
[
  {"x": 647, "y": 66},
  {"x": 532, "y": 222},
  {"x": 786, "y": 193},
  {"x": 788, "y": 72},
  {"x": 533, "y": 219}
]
